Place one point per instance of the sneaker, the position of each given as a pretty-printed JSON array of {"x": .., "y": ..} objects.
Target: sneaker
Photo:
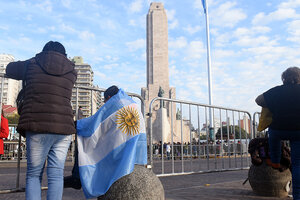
[
  {"x": 273, "y": 165},
  {"x": 71, "y": 182}
]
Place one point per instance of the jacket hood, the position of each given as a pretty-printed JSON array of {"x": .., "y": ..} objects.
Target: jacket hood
[{"x": 54, "y": 63}]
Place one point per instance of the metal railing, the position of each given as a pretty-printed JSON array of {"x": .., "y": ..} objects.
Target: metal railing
[
  {"x": 256, "y": 117},
  {"x": 190, "y": 152}
]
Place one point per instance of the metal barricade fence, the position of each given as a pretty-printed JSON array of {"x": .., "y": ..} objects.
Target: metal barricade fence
[
  {"x": 11, "y": 145},
  {"x": 255, "y": 123},
  {"x": 190, "y": 147},
  {"x": 256, "y": 117}
]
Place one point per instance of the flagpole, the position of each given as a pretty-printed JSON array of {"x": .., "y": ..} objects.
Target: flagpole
[{"x": 208, "y": 69}]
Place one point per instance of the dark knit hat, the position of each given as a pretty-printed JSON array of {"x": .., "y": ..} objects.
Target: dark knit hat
[
  {"x": 55, "y": 46},
  {"x": 111, "y": 91}
]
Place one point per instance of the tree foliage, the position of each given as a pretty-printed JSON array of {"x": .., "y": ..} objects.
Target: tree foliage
[
  {"x": 13, "y": 119},
  {"x": 236, "y": 130}
]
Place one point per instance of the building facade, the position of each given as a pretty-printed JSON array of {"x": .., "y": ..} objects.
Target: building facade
[
  {"x": 11, "y": 87},
  {"x": 245, "y": 124},
  {"x": 90, "y": 101}
]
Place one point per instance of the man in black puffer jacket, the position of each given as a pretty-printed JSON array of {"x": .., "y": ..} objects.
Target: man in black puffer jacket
[{"x": 46, "y": 118}]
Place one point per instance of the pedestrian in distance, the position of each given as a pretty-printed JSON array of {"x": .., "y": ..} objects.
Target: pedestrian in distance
[
  {"x": 46, "y": 117},
  {"x": 168, "y": 150},
  {"x": 284, "y": 103},
  {"x": 80, "y": 113}
]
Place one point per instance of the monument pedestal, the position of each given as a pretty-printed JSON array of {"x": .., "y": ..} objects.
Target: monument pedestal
[
  {"x": 266, "y": 181},
  {"x": 142, "y": 183}
]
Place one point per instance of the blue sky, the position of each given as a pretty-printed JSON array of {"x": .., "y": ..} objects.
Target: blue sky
[{"x": 252, "y": 42}]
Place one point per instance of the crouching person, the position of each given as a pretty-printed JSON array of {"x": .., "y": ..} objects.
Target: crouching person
[{"x": 110, "y": 143}]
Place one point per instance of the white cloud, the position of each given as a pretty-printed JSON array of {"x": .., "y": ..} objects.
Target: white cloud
[
  {"x": 192, "y": 30},
  {"x": 173, "y": 22},
  {"x": 221, "y": 39},
  {"x": 136, "y": 6},
  {"x": 100, "y": 75},
  {"x": 86, "y": 35},
  {"x": 278, "y": 15},
  {"x": 108, "y": 24},
  {"x": 45, "y": 6},
  {"x": 294, "y": 31},
  {"x": 251, "y": 31},
  {"x": 137, "y": 44},
  {"x": 178, "y": 43},
  {"x": 290, "y": 4},
  {"x": 253, "y": 36},
  {"x": 195, "y": 50},
  {"x": 170, "y": 14},
  {"x": 138, "y": 21},
  {"x": 67, "y": 28},
  {"x": 132, "y": 22},
  {"x": 4, "y": 27},
  {"x": 111, "y": 58},
  {"x": 220, "y": 53},
  {"x": 226, "y": 15},
  {"x": 110, "y": 66}
]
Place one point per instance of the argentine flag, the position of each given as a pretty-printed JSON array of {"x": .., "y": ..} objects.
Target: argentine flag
[{"x": 110, "y": 143}]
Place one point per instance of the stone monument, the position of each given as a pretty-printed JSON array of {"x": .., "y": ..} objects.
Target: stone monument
[{"x": 158, "y": 78}]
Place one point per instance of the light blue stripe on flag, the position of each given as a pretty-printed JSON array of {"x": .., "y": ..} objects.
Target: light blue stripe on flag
[
  {"x": 97, "y": 179},
  {"x": 110, "y": 143}
]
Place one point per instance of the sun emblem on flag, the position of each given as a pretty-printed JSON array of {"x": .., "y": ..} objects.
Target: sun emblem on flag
[{"x": 128, "y": 120}]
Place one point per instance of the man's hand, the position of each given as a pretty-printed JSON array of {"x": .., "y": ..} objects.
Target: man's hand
[{"x": 260, "y": 100}]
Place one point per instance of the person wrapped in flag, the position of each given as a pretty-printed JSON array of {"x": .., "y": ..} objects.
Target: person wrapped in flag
[{"x": 110, "y": 143}]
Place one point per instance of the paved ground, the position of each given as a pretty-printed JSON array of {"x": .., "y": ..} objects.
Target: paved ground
[{"x": 208, "y": 186}]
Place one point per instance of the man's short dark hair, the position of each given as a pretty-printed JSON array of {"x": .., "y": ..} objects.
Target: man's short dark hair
[
  {"x": 291, "y": 76},
  {"x": 111, "y": 91},
  {"x": 55, "y": 46}
]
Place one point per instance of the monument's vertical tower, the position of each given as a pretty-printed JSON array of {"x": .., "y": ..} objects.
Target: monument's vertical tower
[
  {"x": 158, "y": 71},
  {"x": 157, "y": 46},
  {"x": 157, "y": 56}
]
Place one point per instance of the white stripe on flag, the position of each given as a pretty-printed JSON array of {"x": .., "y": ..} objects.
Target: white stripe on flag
[{"x": 106, "y": 138}]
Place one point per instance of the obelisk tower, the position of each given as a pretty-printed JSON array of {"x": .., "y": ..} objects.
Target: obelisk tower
[
  {"x": 158, "y": 67},
  {"x": 157, "y": 56}
]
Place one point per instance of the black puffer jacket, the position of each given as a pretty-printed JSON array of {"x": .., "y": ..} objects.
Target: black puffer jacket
[{"x": 50, "y": 78}]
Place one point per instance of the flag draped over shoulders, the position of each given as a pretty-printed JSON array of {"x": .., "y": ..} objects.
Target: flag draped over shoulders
[{"x": 110, "y": 143}]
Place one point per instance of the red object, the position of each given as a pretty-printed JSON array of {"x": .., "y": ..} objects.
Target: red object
[{"x": 4, "y": 132}]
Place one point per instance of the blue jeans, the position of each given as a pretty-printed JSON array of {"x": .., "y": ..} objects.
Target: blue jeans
[
  {"x": 275, "y": 137},
  {"x": 41, "y": 147}
]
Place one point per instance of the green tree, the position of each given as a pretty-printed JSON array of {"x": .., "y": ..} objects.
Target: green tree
[
  {"x": 231, "y": 132},
  {"x": 203, "y": 137},
  {"x": 13, "y": 119}
]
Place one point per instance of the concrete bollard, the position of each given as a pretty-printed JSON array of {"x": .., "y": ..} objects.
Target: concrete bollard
[
  {"x": 266, "y": 181},
  {"x": 142, "y": 183}
]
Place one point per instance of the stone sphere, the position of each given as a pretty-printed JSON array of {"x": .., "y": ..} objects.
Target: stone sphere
[
  {"x": 142, "y": 183},
  {"x": 266, "y": 181}
]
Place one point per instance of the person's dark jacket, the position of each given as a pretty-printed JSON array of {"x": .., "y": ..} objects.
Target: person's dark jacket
[{"x": 50, "y": 77}]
